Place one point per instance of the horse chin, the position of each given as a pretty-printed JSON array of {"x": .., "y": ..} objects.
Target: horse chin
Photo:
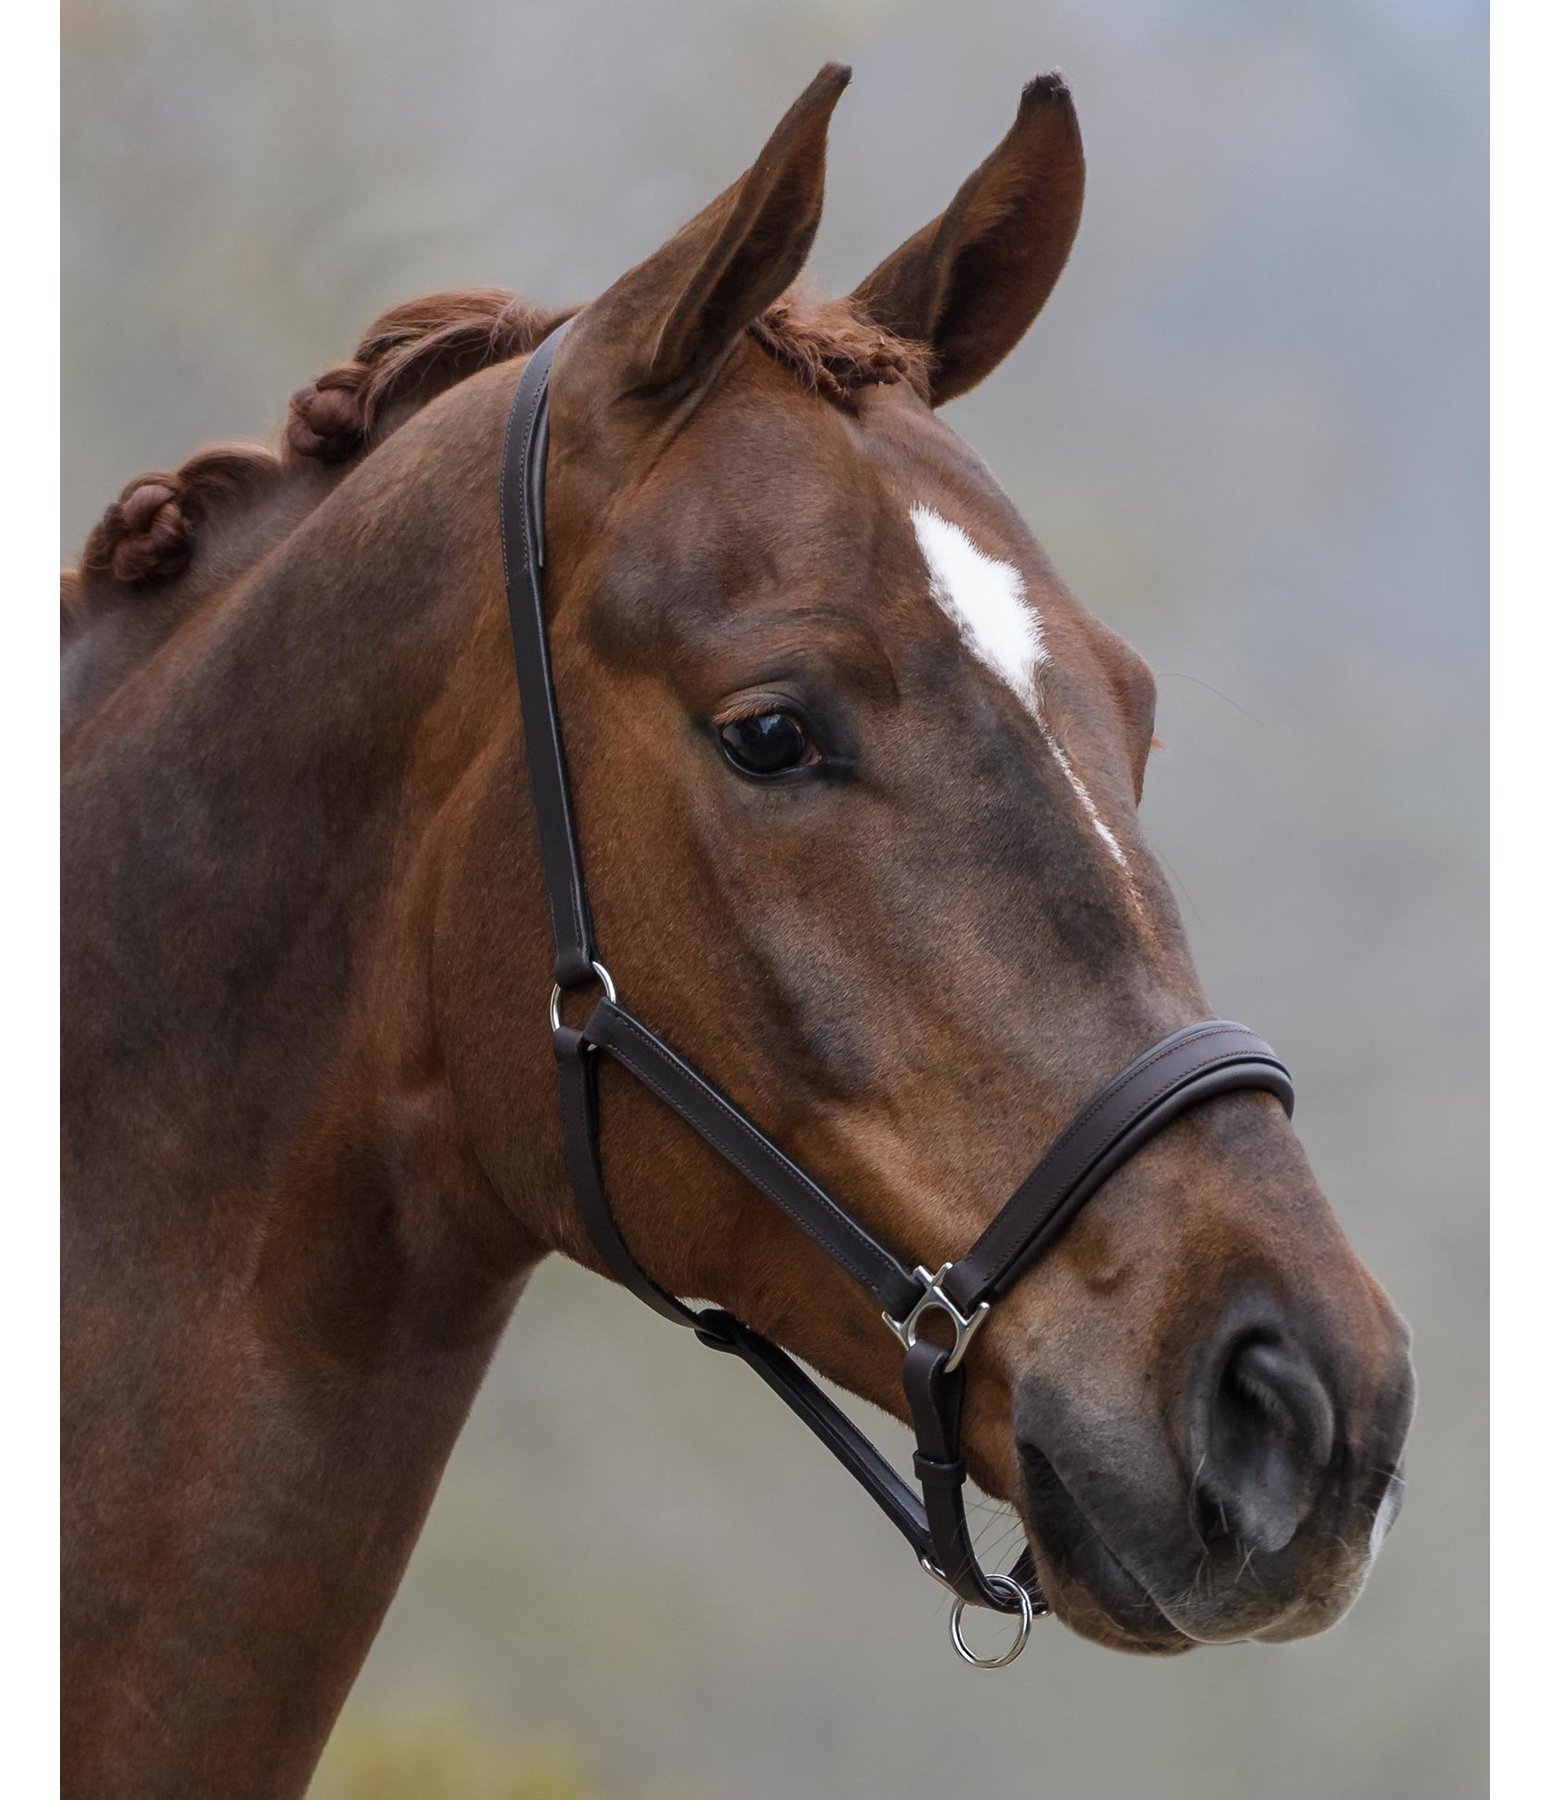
[
  {"x": 1088, "y": 1588},
  {"x": 1107, "y": 1605}
]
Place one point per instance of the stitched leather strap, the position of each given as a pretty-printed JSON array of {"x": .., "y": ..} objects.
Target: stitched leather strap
[
  {"x": 1179, "y": 1072},
  {"x": 730, "y": 1131},
  {"x": 935, "y": 1395},
  {"x": 577, "y": 1066},
  {"x": 522, "y": 555},
  {"x": 818, "y": 1412},
  {"x": 720, "y": 1330}
]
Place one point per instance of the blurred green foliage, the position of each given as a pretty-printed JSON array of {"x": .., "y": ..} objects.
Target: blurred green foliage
[{"x": 446, "y": 1756}]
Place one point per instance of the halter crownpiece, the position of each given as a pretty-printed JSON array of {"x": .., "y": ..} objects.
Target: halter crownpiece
[{"x": 1181, "y": 1071}]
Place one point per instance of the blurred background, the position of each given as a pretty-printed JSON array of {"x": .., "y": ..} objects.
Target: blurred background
[{"x": 1250, "y": 431}]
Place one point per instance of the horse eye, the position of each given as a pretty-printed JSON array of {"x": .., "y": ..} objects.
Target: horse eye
[{"x": 767, "y": 743}]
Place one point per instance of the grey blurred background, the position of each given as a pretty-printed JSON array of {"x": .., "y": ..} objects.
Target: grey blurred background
[{"x": 1250, "y": 430}]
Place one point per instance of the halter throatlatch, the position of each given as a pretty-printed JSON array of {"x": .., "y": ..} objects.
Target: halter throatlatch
[{"x": 1180, "y": 1072}]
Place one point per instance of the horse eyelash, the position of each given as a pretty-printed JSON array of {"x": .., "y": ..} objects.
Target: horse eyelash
[{"x": 753, "y": 707}]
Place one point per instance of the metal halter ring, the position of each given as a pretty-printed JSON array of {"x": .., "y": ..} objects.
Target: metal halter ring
[
  {"x": 600, "y": 975},
  {"x": 907, "y": 1329},
  {"x": 1001, "y": 1584}
]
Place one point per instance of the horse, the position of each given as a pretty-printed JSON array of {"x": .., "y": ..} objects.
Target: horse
[{"x": 856, "y": 782}]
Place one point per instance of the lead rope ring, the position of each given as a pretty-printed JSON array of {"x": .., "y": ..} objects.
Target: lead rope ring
[{"x": 1004, "y": 1585}]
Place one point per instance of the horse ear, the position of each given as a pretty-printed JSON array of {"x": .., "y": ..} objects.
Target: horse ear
[
  {"x": 969, "y": 284},
  {"x": 665, "y": 327}
]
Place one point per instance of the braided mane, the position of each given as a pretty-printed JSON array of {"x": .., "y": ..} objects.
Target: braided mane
[
  {"x": 153, "y": 533},
  {"x": 412, "y": 354}
]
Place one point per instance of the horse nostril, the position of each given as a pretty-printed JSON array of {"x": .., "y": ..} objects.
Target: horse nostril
[{"x": 1264, "y": 1431}]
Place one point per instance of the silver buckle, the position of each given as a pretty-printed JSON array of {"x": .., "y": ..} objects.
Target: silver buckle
[{"x": 907, "y": 1329}]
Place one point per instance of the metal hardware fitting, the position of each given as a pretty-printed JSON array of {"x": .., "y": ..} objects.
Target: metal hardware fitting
[
  {"x": 907, "y": 1329},
  {"x": 599, "y": 974},
  {"x": 1003, "y": 1584}
]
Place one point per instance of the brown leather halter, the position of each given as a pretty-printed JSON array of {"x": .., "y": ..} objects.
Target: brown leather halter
[{"x": 1181, "y": 1071}]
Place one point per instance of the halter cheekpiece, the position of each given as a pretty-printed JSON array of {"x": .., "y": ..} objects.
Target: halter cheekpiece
[{"x": 1182, "y": 1070}]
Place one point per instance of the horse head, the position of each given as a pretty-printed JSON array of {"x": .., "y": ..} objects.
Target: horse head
[{"x": 857, "y": 780}]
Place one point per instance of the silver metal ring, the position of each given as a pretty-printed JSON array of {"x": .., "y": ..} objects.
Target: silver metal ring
[
  {"x": 1000, "y": 1584},
  {"x": 599, "y": 974}
]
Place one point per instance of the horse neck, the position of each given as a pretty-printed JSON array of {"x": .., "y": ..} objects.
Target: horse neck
[{"x": 285, "y": 1272}]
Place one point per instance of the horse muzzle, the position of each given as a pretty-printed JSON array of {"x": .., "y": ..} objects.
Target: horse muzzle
[{"x": 1252, "y": 1508}]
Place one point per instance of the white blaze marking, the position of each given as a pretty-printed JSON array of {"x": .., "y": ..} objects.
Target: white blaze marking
[
  {"x": 985, "y": 598},
  {"x": 988, "y": 602}
]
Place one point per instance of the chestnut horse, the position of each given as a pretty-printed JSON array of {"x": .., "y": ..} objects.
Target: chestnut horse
[{"x": 313, "y": 1148}]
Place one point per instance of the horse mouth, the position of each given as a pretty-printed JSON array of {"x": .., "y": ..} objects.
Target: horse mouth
[{"x": 1087, "y": 1585}]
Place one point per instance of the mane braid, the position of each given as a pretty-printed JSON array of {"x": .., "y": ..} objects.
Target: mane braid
[
  {"x": 148, "y": 533},
  {"x": 411, "y": 354},
  {"x": 151, "y": 533}
]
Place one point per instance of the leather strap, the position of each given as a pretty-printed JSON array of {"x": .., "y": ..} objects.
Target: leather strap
[
  {"x": 577, "y": 1065},
  {"x": 726, "y": 1128},
  {"x": 1183, "y": 1070},
  {"x": 522, "y": 554},
  {"x": 935, "y": 1394},
  {"x": 817, "y": 1411},
  {"x": 1179, "y": 1072},
  {"x": 935, "y": 1529}
]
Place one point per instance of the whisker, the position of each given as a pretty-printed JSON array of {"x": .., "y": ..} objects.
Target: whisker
[{"x": 1179, "y": 675}]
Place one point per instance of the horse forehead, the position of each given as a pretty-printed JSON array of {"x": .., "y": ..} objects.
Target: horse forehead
[
  {"x": 892, "y": 516},
  {"x": 981, "y": 563},
  {"x": 775, "y": 509}
]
